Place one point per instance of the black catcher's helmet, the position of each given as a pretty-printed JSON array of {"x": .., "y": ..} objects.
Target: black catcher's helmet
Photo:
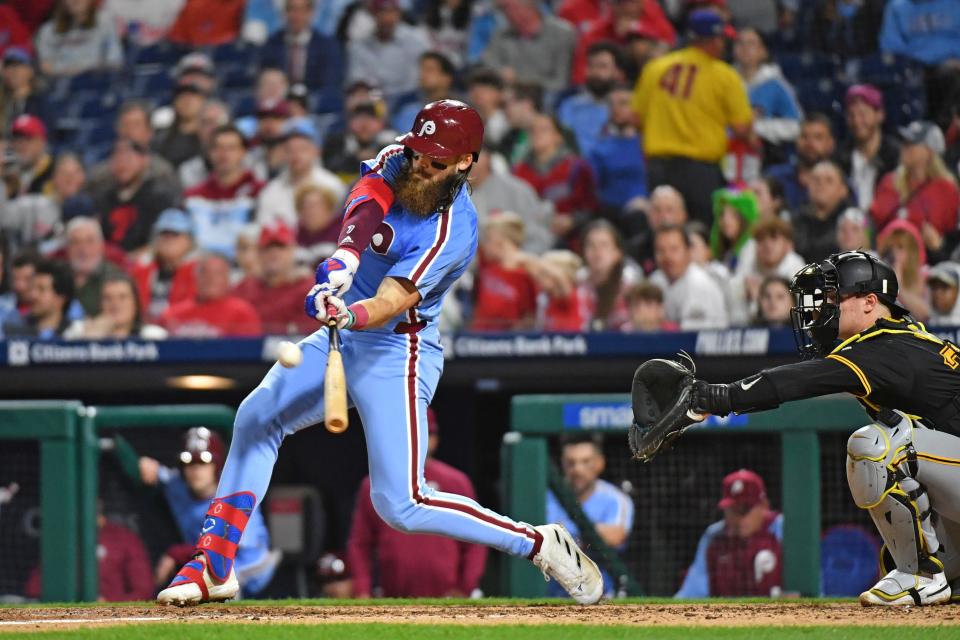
[{"x": 818, "y": 288}]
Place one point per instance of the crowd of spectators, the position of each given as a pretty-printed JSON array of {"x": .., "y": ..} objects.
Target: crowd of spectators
[{"x": 179, "y": 168}]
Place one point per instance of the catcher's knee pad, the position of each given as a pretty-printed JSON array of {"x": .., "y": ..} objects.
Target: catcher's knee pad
[
  {"x": 881, "y": 463},
  {"x": 870, "y": 451}
]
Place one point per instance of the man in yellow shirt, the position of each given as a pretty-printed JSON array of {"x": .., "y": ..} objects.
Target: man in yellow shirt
[{"x": 685, "y": 102}]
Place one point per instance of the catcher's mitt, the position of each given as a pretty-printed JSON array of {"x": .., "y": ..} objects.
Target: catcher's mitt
[{"x": 662, "y": 399}]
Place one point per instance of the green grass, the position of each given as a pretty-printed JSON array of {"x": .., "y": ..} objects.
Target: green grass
[{"x": 180, "y": 631}]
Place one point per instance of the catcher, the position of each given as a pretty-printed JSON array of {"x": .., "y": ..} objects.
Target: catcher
[{"x": 904, "y": 467}]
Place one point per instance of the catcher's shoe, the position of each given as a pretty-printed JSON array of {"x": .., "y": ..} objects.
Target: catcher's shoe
[
  {"x": 898, "y": 588},
  {"x": 194, "y": 584},
  {"x": 561, "y": 559}
]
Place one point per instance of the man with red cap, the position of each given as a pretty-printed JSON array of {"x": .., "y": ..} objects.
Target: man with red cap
[
  {"x": 277, "y": 293},
  {"x": 741, "y": 554},
  {"x": 30, "y": 146},
  {"x": 451, "y": 569},
  {"x": 409, "y": 232}
]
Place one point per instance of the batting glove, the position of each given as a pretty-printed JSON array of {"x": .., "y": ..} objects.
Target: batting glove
[
  {"x": 393, "y": 167},
  {"x": 338, "y": 309},
  {"x": 334, "y": 278},
  {"x": 354, "y": 317}
]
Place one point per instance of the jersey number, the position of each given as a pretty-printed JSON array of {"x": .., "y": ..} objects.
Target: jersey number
[{"x": 678, "y": 80}]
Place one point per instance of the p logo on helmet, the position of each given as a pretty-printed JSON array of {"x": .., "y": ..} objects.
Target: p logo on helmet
[{"x": 428, "y": 128}]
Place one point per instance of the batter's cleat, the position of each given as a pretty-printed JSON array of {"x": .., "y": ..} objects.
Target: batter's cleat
[
  {"x": 194, "y": 585},
  {"x": 898, "y": 588},
  {"x": 561, "y": 559}
]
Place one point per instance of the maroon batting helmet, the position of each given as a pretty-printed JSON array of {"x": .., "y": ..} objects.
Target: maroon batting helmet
[
  {"x": 201, "y": 445},
  {"x": 444, "y": 129}
]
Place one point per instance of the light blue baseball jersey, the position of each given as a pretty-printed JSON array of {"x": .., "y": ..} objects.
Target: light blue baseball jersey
[
  {"x": 431, "y": 251},
  {"x": 391, "y": 372}
]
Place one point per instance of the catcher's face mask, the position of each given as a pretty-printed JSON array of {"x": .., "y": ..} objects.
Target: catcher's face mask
[{"x": 816, "y": 309}]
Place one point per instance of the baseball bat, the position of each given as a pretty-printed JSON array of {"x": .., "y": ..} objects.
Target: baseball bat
[{"x": 335, "y": 385}]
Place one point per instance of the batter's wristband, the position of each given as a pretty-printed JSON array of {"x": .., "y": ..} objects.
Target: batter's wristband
[{"x": 360, "y": 316}]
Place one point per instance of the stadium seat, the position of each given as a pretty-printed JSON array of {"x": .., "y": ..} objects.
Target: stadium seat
[
  {"x": 884, "y": 69},
  {"x": 235, "y": 53},
  {"x": 903, "y": 105},
  {"x": 297, "y": 520},
  {"x": 821, "y": 94},
  {"x": 152, "y": 81},
  {"x": 807, "y": 66},
  {"x": 95, "y": 133},
  {"x": 163, "y": 54},
  {"x": 242, "y": 103},
  {"x": 236, "y": 76},
  {"x": 98, "y": 106},
  {"x": 848, "y": 560},
  {"x": 93, "y": 81}
]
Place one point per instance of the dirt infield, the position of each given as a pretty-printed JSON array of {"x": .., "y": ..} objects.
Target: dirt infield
[{"x": 776, "y": 613}]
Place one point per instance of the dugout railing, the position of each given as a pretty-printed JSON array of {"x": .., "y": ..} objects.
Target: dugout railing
[
  {"x": 69, "y": 438},
  {"x": 537, "y": 420}
]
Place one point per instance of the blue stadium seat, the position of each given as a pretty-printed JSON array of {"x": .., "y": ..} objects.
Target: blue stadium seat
[
  {"x": 152, "y": 81},
  {"x": 162, "y": 53},
  {"x": 903, "y": 104},
  {"x": 243, "y": 103},
  {"x": 236, "y": 76},
  {"x": 884, "y": 69},
  {"x": 92, "y": 81},
  {"x": 97, "y": 134},
  {"x": 235, "y": 53},
  {"x": 820, "y": 94},
  {"x": 96, "y": 153},
  {"x": 848, "y": 560},
  {"x": 98, "y": 106},
  {"x": 807, "y": 66}
]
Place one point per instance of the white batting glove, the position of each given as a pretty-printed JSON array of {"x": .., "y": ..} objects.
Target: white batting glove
[
  {"x": 334, "y": 277},
  {"x": 345, "y": 317},
  {"x": 335, "y": 274}
]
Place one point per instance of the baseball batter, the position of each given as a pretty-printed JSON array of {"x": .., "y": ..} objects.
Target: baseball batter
[
  {"x": 904, "y": 467},
  {"x": 409, "y": 231}
]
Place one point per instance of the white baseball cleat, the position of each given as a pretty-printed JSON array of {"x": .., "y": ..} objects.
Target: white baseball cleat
[
  {"x": 898, "y": 588},
  {"x": 561, "y": 559},
  {"x": 194, "y": 585}
]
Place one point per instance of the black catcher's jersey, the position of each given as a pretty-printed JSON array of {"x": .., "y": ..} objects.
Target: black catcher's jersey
[{"x": 895, "y": 364}]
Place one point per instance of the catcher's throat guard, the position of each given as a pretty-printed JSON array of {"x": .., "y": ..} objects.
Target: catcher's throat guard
[{"x": 662, "y": 406}]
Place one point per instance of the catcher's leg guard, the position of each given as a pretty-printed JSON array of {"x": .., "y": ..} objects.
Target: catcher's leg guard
[
  {"x": 210, "y": 576},
  {"x": 881, "y": 465}
]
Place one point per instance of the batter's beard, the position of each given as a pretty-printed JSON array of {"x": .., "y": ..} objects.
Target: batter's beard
[{"x": 421, "y": 197}]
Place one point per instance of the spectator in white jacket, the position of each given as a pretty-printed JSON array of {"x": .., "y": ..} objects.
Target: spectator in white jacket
[
  {"x": 690, "y": 295},
  {"x": 303, "y": 166}
]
